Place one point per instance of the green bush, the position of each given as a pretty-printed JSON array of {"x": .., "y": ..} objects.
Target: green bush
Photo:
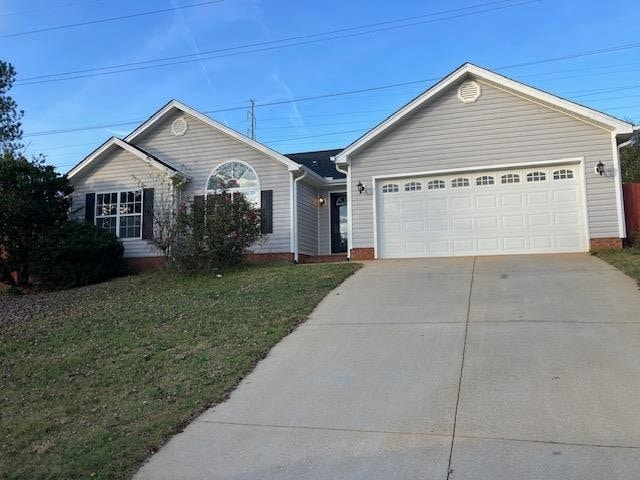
[
  {"x": 215, "y": 234},
  {"x": 75, "y": 254}
]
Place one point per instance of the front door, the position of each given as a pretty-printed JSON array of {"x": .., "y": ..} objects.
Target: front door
[{"x": 339, "y": 225}]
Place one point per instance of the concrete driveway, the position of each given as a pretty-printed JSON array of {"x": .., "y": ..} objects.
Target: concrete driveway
[{"x": 518, "y": 367}]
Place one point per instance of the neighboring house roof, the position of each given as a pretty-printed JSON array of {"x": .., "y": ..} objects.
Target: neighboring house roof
[
  {"x": 320, "y": 162},
  {"x": 617, "y": 126},
  {"x": 175, "y": 104},
  {"x": 114, "y": 142}
]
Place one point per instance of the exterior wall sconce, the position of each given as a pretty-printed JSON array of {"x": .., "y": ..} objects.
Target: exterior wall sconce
[
  {"x": 600, "y": 168},
  {"x": 360, "y": 187},
  {"x": 321, "y": 200}
]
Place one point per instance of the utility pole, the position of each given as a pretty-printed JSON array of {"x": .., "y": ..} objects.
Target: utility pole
[{"x": 251, "y": 119}]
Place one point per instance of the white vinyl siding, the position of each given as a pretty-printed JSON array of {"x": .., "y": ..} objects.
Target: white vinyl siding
[
  {"x": 202, "y": 148},
  {"x": 500, "y": 128},
  {"x": 307, "y": 219},
  {"x": 118, "y": 171}
]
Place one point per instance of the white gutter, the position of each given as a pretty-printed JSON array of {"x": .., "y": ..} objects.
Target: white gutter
[
  {"x": 622, "y": 224},
  {"x": 347, "y": 172},
  {"x": 294, "y": 213}
]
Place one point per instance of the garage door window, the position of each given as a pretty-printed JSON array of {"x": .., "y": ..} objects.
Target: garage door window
[
  {"x": 412, "y": 186},
  {"x": 536, "y": 177},
  {"x": 562, "y": 174},
  {"x": 459, "y": 182},
  {"x": 390, "y": 188},
  {"x": 435, "y": 184},
  {"x": 510, "y": 178},
  {"x": 485, "y": 180}
]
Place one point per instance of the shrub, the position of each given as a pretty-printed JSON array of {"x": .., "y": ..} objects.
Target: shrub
[
  {"x": 215, "y": 232},
  {"x": 75, "y": 254}
]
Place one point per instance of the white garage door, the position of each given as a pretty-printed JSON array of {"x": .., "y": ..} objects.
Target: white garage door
[{"x": 534, "y": 210}]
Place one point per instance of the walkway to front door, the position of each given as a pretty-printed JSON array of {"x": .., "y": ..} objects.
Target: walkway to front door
[{"x": 501, "y": 368}]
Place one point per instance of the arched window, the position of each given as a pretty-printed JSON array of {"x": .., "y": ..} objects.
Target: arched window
[
  {"x": 435, "y": 184},
  {"x": 390, "y": 188},
  {"x": 485, "y": 180},
  {"x": 536, "y": 177},
  {"x": 459, "y": 182},
  {"x": 510, "y": 178},
  {"x": 412, "y": 186},
  {"x": 562, "y": 174},
  {"x": 235, "y": 178}
]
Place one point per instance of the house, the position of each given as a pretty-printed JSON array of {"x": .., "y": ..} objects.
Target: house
[{"x": 478, "y": 164}]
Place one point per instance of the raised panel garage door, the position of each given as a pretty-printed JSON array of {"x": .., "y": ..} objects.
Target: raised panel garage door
[{"x": 533, "y": 210}]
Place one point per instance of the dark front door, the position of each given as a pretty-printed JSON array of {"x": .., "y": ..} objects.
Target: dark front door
[{"x": 339, "y": 225}]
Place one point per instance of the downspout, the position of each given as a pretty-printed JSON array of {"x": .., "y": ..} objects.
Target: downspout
[
  {"x": 619, "y": 190},
  {"x": 294, "y": 202},
  {"x": 347, "y": 172}
]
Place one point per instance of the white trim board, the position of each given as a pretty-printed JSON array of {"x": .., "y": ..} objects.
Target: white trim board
[
  {"x": 116, "y": 142},
  {"x": 175, "y": 104},
  {"x": 583, "y": 113}
]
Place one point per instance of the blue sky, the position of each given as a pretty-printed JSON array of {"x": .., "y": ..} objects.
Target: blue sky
[{"x": 493, "y": 35}]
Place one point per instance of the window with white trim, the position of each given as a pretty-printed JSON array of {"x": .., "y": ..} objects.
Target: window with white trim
[
  {"x": 485, "y": 180},
  {"x": 459, "y": 182},
  {"x": 390, "y": 188},
  {"x": 120, "y": 213},
  {"x": 536, "y": 177},
  {"x": 562, "y": 174},
  {"x": 235, "y": 178},
  {"x": 435, "y": 184},
  {"x": 510, "y": 178},
  {"x": 412, "y": 186}
]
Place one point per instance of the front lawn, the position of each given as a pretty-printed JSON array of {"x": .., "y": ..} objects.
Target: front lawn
[
  {"x": 627, "y": 260},
  {"x": 95, "y": 379}
]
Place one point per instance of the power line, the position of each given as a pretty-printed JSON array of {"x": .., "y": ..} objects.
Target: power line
[
  {"x": 106, "y": 20},
  {"x": 231, "y": 51}
]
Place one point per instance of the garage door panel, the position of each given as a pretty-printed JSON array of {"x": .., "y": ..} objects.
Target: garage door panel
[{"x": 546, "y": 215}]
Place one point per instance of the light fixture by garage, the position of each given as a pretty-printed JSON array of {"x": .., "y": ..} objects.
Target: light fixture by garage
[
  {"x": 600, "y": 168},
  {"x": 361, "y": 188}
]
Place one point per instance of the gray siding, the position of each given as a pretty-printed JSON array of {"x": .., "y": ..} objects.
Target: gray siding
[
  {"x": 203, "y": 148},
  {"x": 324, "y": 221},
  {"x": 307, "y": 219},
  {"x": 118, "y": 171},
  {"x": 500, "y": 128}
]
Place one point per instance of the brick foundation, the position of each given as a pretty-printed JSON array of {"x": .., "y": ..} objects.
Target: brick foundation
[
  {"x": 270, "y": 257},
  {"x": 362, "y": 254},
  {"x": 611, "y": 243},
  {"x": 142, "y": 264}
]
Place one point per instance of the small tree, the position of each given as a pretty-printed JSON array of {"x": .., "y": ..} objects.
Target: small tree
[
  {"x": 10, "y": 116},
  {"x": 215, "y": 232},
  {"x": 630, "y": 161},
  {"x": 34, "y": 198}
]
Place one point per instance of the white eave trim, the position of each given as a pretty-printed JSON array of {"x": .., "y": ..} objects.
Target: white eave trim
[
  {"x": 116, "y": 142},
  {"x": 617, "y": 126},
  {"x": 290, "y": 164}
]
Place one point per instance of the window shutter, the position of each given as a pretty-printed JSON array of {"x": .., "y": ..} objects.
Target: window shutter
[
  {"x": 266, "y": 211},
  {"x": 90, "y": 208},
  {"x": 147, "y": 213}
]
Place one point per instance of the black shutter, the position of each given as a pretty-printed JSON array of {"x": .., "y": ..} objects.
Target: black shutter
[
  {"x": 266, "y": 211},
  {"x": 147, "y": 213},
  {"x": 90, "y": 208}
]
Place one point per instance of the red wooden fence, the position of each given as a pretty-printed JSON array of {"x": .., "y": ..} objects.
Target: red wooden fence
[{"x": 631, "y": 192}]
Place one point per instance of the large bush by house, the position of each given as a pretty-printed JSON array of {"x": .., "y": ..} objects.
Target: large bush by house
[
  {"x": 214, "y": 232},
  {"x": 74, "y": 254}
]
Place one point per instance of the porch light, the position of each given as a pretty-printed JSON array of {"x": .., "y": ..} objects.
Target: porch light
[
  {"x": 600, "y": 168},
  {"x": 360, "y": 187},
  {"x": 321, "y": 200}
]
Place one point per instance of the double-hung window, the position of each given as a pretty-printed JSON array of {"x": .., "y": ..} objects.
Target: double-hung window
[{"x": 120, "y": 213}]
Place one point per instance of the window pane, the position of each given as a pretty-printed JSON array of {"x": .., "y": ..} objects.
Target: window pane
[
  {"x": 130, "y": 226},
  {"x": 108, "y": 224},
  {"x": 130, "y": 202},
  {"x": 106, "y": 204}
]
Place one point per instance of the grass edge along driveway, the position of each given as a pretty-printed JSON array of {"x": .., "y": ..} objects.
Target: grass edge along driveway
[
  {"x": 100, "y": 377},
  {"x": 627, "y": 260}
]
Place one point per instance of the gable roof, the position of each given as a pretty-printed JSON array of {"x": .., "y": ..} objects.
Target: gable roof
[
  {"x": 175, "y": 104},
  {"x": 320, "y": 162},
  {"x": 114, "y": 142},
  {"x": 617, "y": 126}
]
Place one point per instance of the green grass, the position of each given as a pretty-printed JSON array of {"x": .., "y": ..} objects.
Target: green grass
[
  {"x": 90, "y": 388},
  {"x": 627, "y": 260}
]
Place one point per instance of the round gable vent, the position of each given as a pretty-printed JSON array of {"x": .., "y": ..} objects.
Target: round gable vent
[
  {"x": 179, "y": 126},
  {"x": 469, "y": 92}
]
